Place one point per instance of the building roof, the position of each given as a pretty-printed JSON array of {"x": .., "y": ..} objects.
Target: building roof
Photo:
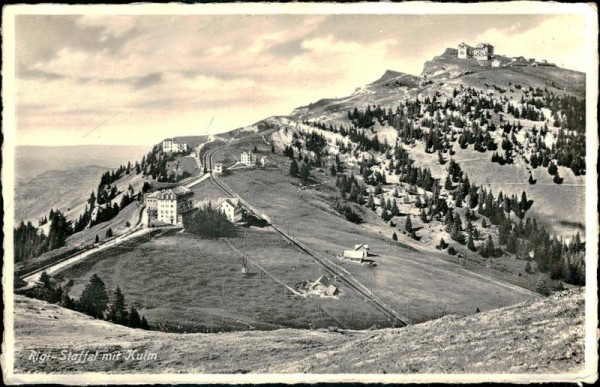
[
  {"x": 233, "y": 202},
  {"x": 322, "y": 280},
  {"x": 178, "y": 192},
  {"x": 361, "y": 246},
  {"x": 355, "y": 254}
]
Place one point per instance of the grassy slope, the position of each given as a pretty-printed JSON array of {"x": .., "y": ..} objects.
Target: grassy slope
[
  {"x": 56, "y": 189},
  {"x": 188, "y": 284},
  {"x": 419, "y": 285},
  {"x": 541, "y": 336}
]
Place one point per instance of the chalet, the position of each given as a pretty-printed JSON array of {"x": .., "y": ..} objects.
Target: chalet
[
  {"x": 496, "y": 63},
  {"x": 358, "y": 254},
  {"x": 170, "y": 145},
  {"x": 231, "y": 208},
  {"x": 321, "y": 287},
  {"x": 248, "y": 158}
]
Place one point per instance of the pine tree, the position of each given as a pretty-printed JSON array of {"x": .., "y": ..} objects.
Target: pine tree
[
  {"x": 408, "y": 225},
  {"x": 552, "y": 169},
  {"x": 109, "y": 233},
  {"x": 94, "y": 299},
  {"x": 134, "y": 318},
  {"x": 448, "y": 183},
  {"x": 442, "y": 245},
  {"x": 470, "y": 244},
  {"x": 305, "y": 171},
  {"x": 117, "y": 312},
  {"x": 97, "y": 240},
  {"x": 395, "y": 237},
  {"x": 423, "y": 216},
  {"x": 490, "y": 250},
  {"x": 294, "y": 170},
  {"x": 144, "y": 324},
  {"x": 371, "y": 202}
]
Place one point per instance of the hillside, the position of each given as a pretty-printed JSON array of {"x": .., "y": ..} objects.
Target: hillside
[
  {"x": 33, "y": 195},
  {"x": 507, "y": 341},
  {"x": 447, "y": 78},
  {"x": 62, "y": 177}
]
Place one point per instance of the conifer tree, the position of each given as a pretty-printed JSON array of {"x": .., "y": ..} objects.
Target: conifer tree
[
  {"x": 442, "y": 245},
  {"x": 294, "y": 168},
  {"x": 94, "y": 299},
  {"x": 408, "y": 225},
  {"x": 117, "y": 312},
  {"x": 134, "y": 318},
  {"x": 470, "y": 244}
]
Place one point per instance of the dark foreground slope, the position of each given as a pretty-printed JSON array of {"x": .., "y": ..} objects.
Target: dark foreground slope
[{"x": 541, "y": 336}]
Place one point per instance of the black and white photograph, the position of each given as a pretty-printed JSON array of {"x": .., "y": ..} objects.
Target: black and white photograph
[{"x": 259, "y": 193}]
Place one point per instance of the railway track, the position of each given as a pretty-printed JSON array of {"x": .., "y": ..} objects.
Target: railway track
[{"x": 333, "y": 269}]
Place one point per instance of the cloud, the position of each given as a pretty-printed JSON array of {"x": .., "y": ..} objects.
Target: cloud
[
  {"x": 147, "y": 80},
  {"x": 41, "y": 37},
  {"x": 557, "y": 39},
  {"x": 288, "y": 49},
  {"x": 142, "y": 78},
  {"x": 31, "y": 73}
]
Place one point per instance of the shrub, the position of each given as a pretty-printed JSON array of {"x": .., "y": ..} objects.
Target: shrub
[
  {"x": 348, "y": 213},
  {"x": 209, "y": 222}
]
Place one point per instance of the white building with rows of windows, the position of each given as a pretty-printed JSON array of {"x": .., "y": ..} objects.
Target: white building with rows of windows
[
  {"x": 170, "y": 145},
  {"x": 248, "y": 158},
  {"x": 483, "y": 51},
  {"x": 169, "y": 205}
]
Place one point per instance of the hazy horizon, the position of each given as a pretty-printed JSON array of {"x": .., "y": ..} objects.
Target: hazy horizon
[{"x": 45, "y": 158}]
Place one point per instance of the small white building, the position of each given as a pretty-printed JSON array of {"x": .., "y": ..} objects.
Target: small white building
[
  {"x": 231, "y": 208},
  {"x": 217, "y": 168},
  {"x": 264, "y": 161},
  {"x": 496, "y": 63},
  {"x": 151, "y": 200},
  {"x": 359, "y": 254},
  {"x": 248, "y": 158}
]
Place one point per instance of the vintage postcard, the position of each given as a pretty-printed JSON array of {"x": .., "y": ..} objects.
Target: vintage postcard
[{"x": 255, "y": 193}]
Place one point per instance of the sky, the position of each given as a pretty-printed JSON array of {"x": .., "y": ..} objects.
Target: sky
[{"x": 136, "y": 79}]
